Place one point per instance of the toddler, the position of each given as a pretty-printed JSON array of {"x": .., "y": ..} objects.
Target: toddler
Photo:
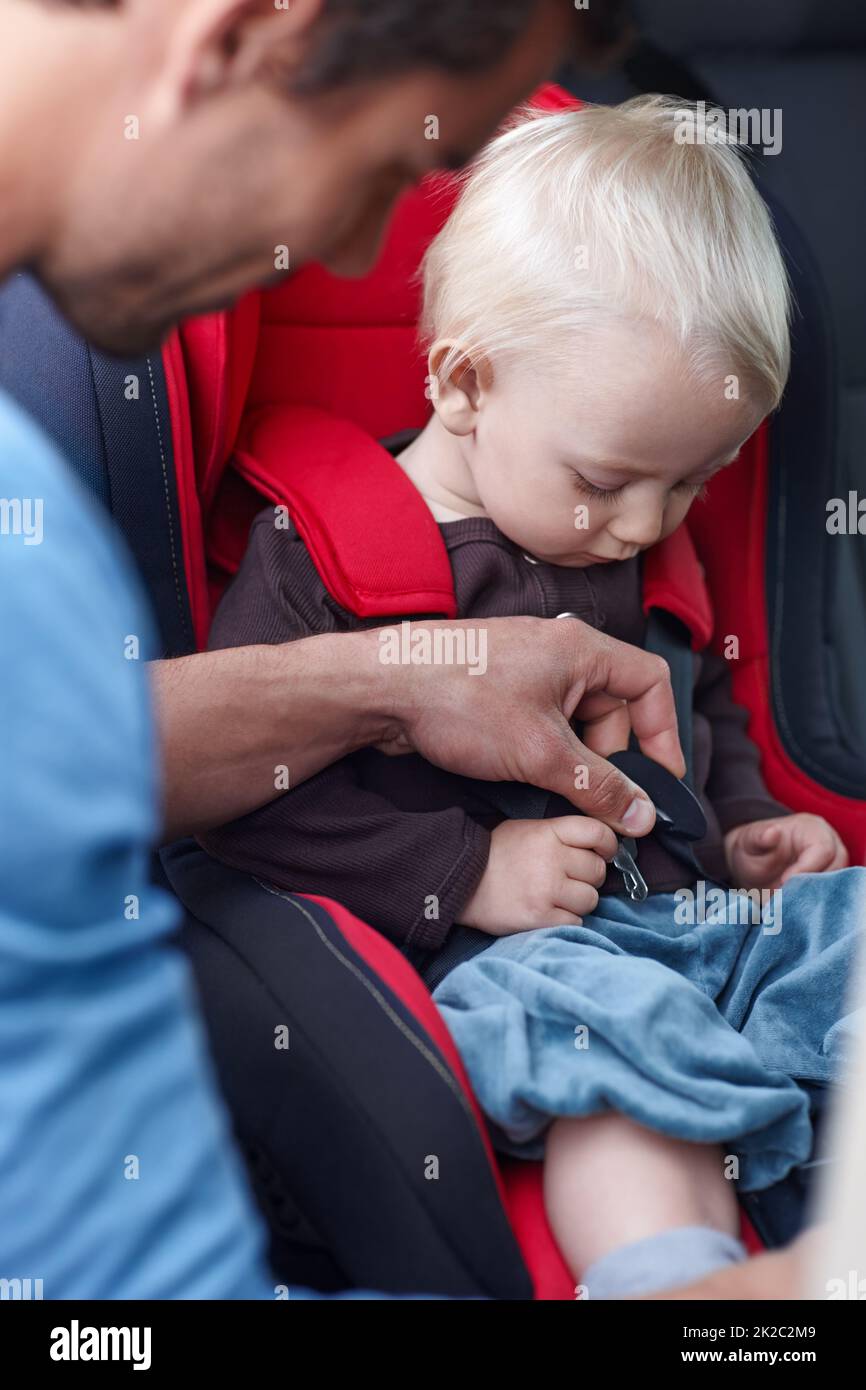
[{"x": 606, "y": 314}]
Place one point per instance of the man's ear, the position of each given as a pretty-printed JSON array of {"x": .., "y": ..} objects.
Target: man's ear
[
  {"x": 211, "y": 45},
  {"x": 457, "y": 386}
]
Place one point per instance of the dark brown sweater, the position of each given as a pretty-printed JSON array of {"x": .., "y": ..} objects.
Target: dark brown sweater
[{"x": 384, "y": 835}]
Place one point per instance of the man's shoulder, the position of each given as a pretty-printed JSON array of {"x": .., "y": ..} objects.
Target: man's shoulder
[
  {"x": 23, "y": 442},
  {"x": 35, "y": 481},
  {"x": 74, "y": 636},
  {"x": 53, "y": 540}
]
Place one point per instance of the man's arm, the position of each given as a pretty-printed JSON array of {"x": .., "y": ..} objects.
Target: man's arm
[
  {"x": 335, "y": 836},
  {"x": 231, "y": 721}
]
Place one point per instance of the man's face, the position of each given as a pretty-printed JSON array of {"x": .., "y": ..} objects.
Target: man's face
[{"x": 208, "y": 204}]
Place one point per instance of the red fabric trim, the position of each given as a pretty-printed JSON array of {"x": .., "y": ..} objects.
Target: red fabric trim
[
  {"x": 206, "y": 352},
  {"x": 219, "y": 351},
  {"x": 524, "y": 1200},
  {"x": 737, "y": 507},
  {"x": 188, "y": 501},
  {"x": 673, "y": 579},
  {"x": 343, "y": 490},
  {"x": 551, "y": 97}
]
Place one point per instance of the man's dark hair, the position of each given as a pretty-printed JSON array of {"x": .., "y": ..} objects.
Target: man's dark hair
[
  {"x": 362, "y": 39},
  {"x": 368, "y": 38}
]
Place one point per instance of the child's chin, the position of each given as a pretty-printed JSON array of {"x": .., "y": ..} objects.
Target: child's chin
[
  {"x": 585, "y": 560},
  {"x": 575, "y": 562}
]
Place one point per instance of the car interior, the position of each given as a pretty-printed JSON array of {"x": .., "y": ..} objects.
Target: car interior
[{"x": 237, "y": 410}]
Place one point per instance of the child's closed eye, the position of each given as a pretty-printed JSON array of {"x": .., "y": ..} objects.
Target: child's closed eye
[
  {"x": 598, "y": 493},
  {"x": 588, "y": 489}
]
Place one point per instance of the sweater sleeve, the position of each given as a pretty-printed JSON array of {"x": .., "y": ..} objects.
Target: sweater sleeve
[
  {"x": 407, "y": 874},
  {"x": 735, "y": 787}
]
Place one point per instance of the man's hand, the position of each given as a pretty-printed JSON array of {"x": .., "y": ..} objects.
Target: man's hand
[
  {"x": 777, "y": 1274},
  {"x": 239, "y": 726},
  {"x": 541, "y": 873},
  {"x": 766, "y": 853},
  {"x": 512, "y": 722}
]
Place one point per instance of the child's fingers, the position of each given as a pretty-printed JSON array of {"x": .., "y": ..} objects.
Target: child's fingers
[
  {"x": 813, "y": 859},
  {"x": 584, "y": 832},
  {"x": 576, "y": 897},
  {"x": 840, "y": 858},
  {"x": 585, "y": 866},
  {"x": 558, "y": 917},
  {"x": 761, "y": 839}
]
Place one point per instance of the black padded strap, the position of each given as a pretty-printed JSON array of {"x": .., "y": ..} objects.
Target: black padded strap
[
  {"x": 668, "y": 637},
  {"x": 349, "y": 1117},
  {"x": 136, "y": 430},
  {"x": 109, "y": 419}
]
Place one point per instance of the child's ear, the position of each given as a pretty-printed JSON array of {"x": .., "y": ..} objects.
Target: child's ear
[{"x": 457, "y": 386}]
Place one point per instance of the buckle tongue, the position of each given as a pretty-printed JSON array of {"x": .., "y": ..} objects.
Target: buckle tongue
[{"x": 624, "y": 860}]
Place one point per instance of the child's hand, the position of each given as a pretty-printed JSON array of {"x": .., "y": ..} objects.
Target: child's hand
[
  {"x": 541, "y": 873},
  {"x": 766, "y": 853}
]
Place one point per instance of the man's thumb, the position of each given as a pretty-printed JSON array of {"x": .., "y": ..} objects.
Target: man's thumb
[{"x": 599, "y": 789}]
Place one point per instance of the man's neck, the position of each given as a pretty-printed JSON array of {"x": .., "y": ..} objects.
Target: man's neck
[
  {"x": 436, "y": 463},
  {"x": 45, "y": 112}
]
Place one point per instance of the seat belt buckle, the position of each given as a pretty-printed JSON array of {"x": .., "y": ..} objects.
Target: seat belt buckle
[
  {"x": 678, "y": 810},
  {"x": 633, "y": 879}
]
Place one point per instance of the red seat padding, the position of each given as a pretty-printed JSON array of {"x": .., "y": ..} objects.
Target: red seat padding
[
  {"x": 337, "y": 507},
  {"x": 736, "y": 506}
]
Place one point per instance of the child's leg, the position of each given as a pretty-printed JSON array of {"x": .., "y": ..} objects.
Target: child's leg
[
  {"x": 560, "y": 1023},
  {"x": 612, "y": 1186}
]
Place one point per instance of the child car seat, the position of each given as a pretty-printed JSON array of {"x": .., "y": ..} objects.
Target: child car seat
[
  {"x": 325, "y": 347},
  {"x": 305, "y": 343}
]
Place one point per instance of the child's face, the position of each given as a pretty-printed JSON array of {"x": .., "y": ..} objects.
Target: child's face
[{"x": 599, "y": 461}]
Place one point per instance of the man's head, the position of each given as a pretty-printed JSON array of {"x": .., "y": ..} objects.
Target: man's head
[
  {"x": 191, "y": 148},
  {"x": 607, "y": 314}
]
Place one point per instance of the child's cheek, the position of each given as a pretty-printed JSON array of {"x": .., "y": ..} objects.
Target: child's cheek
[{"x": 676, "y": 512}]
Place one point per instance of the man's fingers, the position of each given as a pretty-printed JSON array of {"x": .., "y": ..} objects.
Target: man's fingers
[
  {"x": 644, "y": 682},
  {"x": 598, "y": 788},
  {"x": 609, "y": 731}
]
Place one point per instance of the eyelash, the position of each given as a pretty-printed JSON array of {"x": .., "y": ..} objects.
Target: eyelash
[
  {"x": 697, "y": 490},
  {"x": 601, "y": 494}
]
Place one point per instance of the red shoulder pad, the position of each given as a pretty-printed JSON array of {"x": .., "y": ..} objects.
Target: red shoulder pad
[
  {"x": 673, "y": 579},
  {"x": 369, "y": 532}
]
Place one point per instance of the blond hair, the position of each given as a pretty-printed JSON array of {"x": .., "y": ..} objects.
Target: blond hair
[{"x": 611, "y": 212}]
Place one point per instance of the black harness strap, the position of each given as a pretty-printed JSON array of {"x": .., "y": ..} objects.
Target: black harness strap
[
  {"x": 136, "y": 432},
  {"x": 109, "y": 419},
  {"x": 668, "y": 637}
]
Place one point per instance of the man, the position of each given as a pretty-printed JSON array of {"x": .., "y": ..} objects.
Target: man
[
  {"x": 256, "y": 128},
  {"x": 153, "y": 156}
]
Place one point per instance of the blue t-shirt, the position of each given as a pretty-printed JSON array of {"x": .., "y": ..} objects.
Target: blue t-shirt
[{"x": 118, "y": 1175}]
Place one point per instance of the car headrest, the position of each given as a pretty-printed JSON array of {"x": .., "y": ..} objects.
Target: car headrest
[{"x": 682, "y": 27}]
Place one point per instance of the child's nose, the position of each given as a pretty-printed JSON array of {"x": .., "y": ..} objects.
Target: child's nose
[{"x": 640, "y": 525}]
